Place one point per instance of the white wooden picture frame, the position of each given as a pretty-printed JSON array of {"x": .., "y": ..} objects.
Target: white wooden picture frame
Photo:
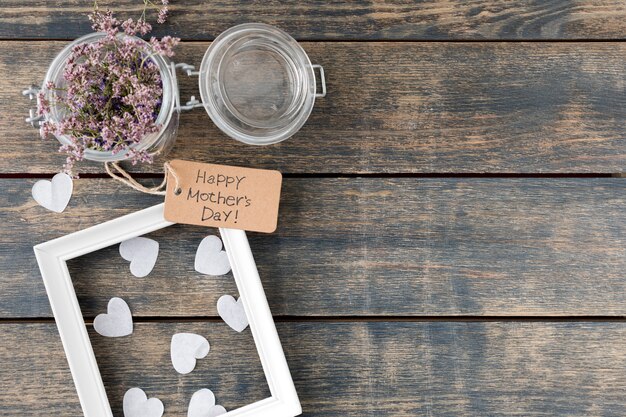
[{"x": 52, "y": 257}]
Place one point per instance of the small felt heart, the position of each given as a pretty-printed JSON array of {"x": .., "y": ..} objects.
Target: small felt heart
[
  {"x": 202, "y": 404},
  {"x": 232, "y": 312},
  {"x": 185, "y": 349},
  {"x": 54, "y": 195},
  {"x": 142, "y": 254},
  {"x": 137, "y": 404},
  {"x": 210, "y": 258},
  {"x": 117, "y": 322}
]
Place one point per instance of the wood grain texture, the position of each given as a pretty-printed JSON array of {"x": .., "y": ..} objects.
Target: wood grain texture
[
  {"x": 414, "y": 247},
  {"x": 340, "y": 20},
  {"x": 347, "y": 369},
  {"x": 396, "y": 108},
  {"x": 360, "y": 268}
]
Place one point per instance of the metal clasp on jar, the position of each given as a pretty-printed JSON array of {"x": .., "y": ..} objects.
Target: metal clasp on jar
[
  {"x": 322, "y": 79},
  {"x": 190, "y": 71},
  {"x": 33, "y": 118}
]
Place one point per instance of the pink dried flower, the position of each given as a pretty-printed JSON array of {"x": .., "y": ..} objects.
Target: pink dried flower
[
  {"x": 165, "y": 46},
  {"x": 129, "y": 27},
  {"x": 104, "y": 22},
  {"x": 43, "y": 105},
  {"x": 46, "y": 129},
  {"x": 144, "y": 27},
  {"x": 162, "y": 15},
  {"x": 132, "y": 27}
]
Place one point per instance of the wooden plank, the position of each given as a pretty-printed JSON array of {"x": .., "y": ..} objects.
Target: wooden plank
[
  {"x": 348, "y": 369},
  {"x": 356, "y": 246},
  {"x": 397, "y": 108},
  {"x": 340, "y": 20}
]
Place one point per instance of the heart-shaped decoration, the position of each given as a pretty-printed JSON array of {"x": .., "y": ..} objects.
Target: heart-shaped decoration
[
  {"x": 210, "y": 258},
  {"x": 137, "y": 404},
  {"x": 232, "y": 312},
  {"x": 117, "y": 322},
  {"x": 185, "y": 349},
  {"x": 142, "y": 254},
  {"x": 202, "y": 404},
  {"x": 54, "y": 195}
]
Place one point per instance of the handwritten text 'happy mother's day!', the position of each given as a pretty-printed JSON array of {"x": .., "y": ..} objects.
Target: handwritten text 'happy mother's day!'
[{"x": 224, "y": 203}]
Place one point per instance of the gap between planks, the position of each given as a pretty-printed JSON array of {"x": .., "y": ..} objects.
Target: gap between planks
[
  {"x": 356, "y": 40},
  {"x": 357, "y": 319},
  {"x": 147, "y": 175}
]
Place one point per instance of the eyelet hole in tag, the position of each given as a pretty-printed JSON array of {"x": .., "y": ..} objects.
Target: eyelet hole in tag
[{"x": 222, "y": 196}]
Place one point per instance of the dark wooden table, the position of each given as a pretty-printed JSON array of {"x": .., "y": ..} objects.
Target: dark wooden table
[{"x": 452, "y": 237}]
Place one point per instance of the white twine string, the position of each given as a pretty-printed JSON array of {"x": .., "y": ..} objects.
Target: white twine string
[{"x": 127, "y": 179}]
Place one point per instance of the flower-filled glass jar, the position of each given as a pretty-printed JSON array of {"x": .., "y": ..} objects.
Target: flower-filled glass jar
[{"x": 167, "y": 118}]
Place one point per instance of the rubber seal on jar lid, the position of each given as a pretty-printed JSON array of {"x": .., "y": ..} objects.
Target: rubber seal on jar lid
[{"x": 257, "y": 84}]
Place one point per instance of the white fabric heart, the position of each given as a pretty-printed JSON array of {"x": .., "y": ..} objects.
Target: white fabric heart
[
  {"x": 117, "y": 322},
  {"x": 232, "y": 312},
  {"x": 202, "y": 404},
  {"x": 210, "y": 258},
  {"x": 137, "y": 404},
  {"x": 142, "y": 254},
  {"x": 185, "y": 349},
  {"x": 54, "y": 195}
]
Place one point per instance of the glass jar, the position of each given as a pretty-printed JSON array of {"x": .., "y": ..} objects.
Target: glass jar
[
  {"x": 258, "y": 84},
  {"x": 159, "y": 142}
]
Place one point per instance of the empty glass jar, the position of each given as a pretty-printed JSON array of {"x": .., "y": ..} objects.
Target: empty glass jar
[{"x": 258, "y": 84}]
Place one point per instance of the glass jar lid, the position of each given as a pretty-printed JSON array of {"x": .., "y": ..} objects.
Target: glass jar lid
[{"x": 257, "y": 84}]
